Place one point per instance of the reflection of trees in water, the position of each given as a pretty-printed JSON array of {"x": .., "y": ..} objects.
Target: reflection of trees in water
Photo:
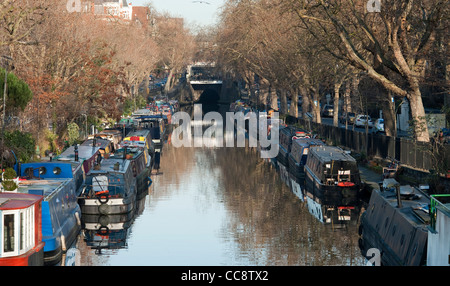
[{"x": 270, "y": 224}]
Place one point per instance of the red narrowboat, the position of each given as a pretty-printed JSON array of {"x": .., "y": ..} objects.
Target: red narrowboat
[{"x": 20, "y": 230}]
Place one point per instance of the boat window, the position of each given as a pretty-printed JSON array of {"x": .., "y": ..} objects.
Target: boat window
[
  {"x": 57, "y": 170},
  {"x": 100, "y": 183},
  {"x": 8, "y": 233},
  {"x": 42, "y": 170}
]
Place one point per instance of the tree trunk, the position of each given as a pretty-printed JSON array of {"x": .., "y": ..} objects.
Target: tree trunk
[
  {"x": 337, "y": 86},
  {"x": 293, "y": 110},
  {"x": 283, "y": 101},
  {"x": 316, "y": 106},
  {"x": 306, "y": 102},
  {"x": 389, "y": 116},
  {"x": 418, "y": 116}
]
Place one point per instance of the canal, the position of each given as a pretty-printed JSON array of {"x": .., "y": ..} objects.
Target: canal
[{"x": 219, "y": 207}]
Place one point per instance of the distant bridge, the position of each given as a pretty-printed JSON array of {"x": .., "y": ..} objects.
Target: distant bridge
[{"x": 206, "y": 82}]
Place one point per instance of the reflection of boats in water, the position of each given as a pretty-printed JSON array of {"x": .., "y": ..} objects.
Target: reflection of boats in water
[
  {"x": 102, "y": 232},
  {"x": 336, "y": 215},
  {"x": 332, "y": 175},
  {"x": 110, "y": 188},
  {"x": 396, "y": 223},
  {"x": 20, "y": 220}
]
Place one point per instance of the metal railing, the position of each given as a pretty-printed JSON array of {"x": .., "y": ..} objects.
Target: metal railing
[{"x": 435, "y": 201}]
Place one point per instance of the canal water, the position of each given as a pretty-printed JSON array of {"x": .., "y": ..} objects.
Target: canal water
[{"x": 220, "y": 207}]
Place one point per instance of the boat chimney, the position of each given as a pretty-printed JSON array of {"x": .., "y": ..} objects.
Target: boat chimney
[
  {"x": 397, "y": 191},
  {"x": 94, "y": 142},
  {"x": 124, "y": 152},
  {"x": 76, "y": 152}
]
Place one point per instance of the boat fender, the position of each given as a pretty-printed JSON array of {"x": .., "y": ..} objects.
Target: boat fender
[
  {"x": 77, "y": 216},
  {"x": 63, "y": 242},
  {"x": 149, "y": 181},
  {"x": 103, "y": 196}
]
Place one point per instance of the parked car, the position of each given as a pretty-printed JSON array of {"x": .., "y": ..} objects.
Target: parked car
[
  {"x": 379, "y": 125},
  {"x": 328, "y": 111},
  {"x": 361, "y": 121},
  {"x": 349, "y": 117}
]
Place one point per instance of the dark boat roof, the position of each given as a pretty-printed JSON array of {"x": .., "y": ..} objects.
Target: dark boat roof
[
  {"x": 84, "y": 152},
  {"x": 331, "y": 153},
  {"x": 413, "y": 200},
  {"x": 99, "y": 142},
  {"x": 305, "y": 142},
  {"x": 155, "y": 116},
  {"x": 107, "y": 165}
]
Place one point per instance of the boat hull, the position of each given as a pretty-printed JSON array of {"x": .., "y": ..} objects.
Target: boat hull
[
  {"x": 93, "y": 206},
  {"x": 383, "y": 227},
  {"x": 34, "y": 257}
]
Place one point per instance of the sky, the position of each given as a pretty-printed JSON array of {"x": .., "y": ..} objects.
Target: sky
[{"x": 195, "y": 12}]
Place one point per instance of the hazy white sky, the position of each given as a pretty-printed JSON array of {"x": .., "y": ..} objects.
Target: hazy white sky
[{"x": 193, "y": 11}]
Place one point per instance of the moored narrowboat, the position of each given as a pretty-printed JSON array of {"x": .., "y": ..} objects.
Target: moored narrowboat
[
  {"x": 106, "y": 146},
  {"x": 113, "y": 135},
  {"x": 298, "y": 155},
  {"x": 88, "y": 156},
  {"x": 395, "y": 223},
  {"x": 140, "y": 164},
  {"x": 332, "y": 175},
  {"x": 61, "y": 214},
  {"x": 297, "y": 160},
  {"x": 109, "y": 188},
  {"x": 49, "y": 170},
  {"x": 20, "y": 230}
]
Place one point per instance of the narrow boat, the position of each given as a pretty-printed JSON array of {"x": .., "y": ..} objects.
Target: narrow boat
[
  {"x": 60, "y": 214},
  {"x": 332, "y": 175},
  {"x": 109, "y": 188},
  {"x": 141, "y": 138},
  {"x": 88, "y": 156},
  {"x": 113, "y": 135},
  {"x": 395, "y": 223},
  {"x": 287, "y": 135},
  {"x": 157, "y": 126},
  {"x": 297, "y": 160},
  {"x": 140, "y": 164},
  {"x": 50, "y": 170},
  {"x": 105, "y": 145},
  {"x": 20, "y": 230}
]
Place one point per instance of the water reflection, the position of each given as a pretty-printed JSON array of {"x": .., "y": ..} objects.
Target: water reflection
[{"x": 226, "y": 206}]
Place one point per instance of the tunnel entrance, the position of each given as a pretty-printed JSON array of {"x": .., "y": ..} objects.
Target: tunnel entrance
[{"x": 209, "y": 100}]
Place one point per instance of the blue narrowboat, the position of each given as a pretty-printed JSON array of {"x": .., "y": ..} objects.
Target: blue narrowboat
[
  {"x": 109, "y": 188},
  {"x": 61, "y": 214},
  {"x": 49, "y": 170}
]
